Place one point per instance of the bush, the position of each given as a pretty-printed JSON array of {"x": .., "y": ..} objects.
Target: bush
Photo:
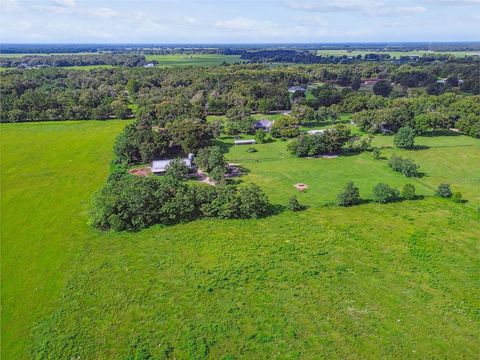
[
  {"x": 404, "y": 138},
  {"x": 406, "y": 166},
  {"x": 251, "y": 150},
  {"x": 382, "y": 193},
  {"x": 408, "y": 192},
  {"x": 262, "y": 137},
  {"x": 294, "y": 204},
  {"x": 444, "y": 191},
  {"x": 457, "y": 197},
  {"x": 377, "y": 154},
  {"x": 349, "y": 196}
]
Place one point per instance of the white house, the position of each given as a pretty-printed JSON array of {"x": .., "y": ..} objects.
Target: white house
[
  {"x": 316, "y": 132},
  {"x": 160, "y": 166}
]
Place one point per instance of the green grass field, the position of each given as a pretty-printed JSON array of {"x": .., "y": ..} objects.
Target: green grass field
[
  {"x": 193, "y": 59},
  {"x": 395, "y": 281}
]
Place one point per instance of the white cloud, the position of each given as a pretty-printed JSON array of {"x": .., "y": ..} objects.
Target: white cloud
[
  {"x": 239, "y": 23},
  {"x": 366, "y": 7},
  {"x": 311, "y": 21},
  {"x": 334, "y": 5},
  {"x": 453, "y": 2},
  {"x": 105, "y": 12},
  {"x": 65, "y": 3}
]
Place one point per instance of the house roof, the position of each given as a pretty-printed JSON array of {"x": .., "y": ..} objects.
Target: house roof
[
  {"x": 264, "y": 123},
  {"x": 316, "y": 131},
  {"x": 296, "y": 88},
  {"x": 161, "y": 165}
]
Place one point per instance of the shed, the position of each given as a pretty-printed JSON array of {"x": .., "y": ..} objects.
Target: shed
[{"x": 292, "y": 89}]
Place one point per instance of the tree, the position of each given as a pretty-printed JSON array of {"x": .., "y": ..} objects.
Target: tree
[
  {"x": 444, "y": 191},
  {"x": 177, "y": 169},
  {"x": 217, "y": 175},
  {"x": 408, "y": 192},
  {"x": 285, "y": 126},
  {"x": 253, "y": 201},
  {"x": 404, "y": 138},
  {"x": 294, "y": 204},
  {"x": 382, "y": 88},
  {"x": 406, "y": 166},
  {"x": 382, "y": 193},
  {"x": 262, "y": 137},
  {"x": 356, "y": 83},
  {"x": 190, "y": 134},
  {"x": 303, "y": 113},
  {"x": 349, "y": 196},
  {"x": 210, "y": 158},
  {"x": 239, "y": 120},
  {"x": 119, "y": 109}
]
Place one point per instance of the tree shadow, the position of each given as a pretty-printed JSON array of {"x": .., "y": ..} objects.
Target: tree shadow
[
  {"x": 420, "y": 147},
  {"x": 441, "y": 133},
  {"x": 276, "y": 209},
  {"x": 225, "y": 147}
]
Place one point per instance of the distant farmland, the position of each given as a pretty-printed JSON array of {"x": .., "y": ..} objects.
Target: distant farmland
[{"x": 193, "y": 59}]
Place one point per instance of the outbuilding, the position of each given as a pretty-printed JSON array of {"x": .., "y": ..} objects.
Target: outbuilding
[
  {"x": 245, "y": 142},
  {"x": 263, "y": 124},
  {"x": 159, "y": 167}
]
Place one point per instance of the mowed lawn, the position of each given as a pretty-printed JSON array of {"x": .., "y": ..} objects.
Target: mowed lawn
[
  {"x": 48, "y": 173},
  {"x": 373, "y": 281}
]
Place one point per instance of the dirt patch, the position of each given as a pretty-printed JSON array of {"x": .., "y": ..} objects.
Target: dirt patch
[
  {"x": 144, "y": 171},
  {"x": 301, "y": 187}
]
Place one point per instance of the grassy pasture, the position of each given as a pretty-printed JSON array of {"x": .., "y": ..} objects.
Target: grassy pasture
[
  {"x": 372, "y": 281},
  {"x": 193, "y": 59}
]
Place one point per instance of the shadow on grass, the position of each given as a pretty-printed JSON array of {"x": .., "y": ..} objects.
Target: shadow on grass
[
  {"x": 434, "y": 133},
  {"x": 420, "y": 147}
]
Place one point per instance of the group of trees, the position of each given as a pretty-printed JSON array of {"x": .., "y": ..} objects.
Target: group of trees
[
  {"x": 382, "y": 193},
  {"x": 424, "y": 113},
  {"x": 58, "y": 60},
  {"x": 329, "y": 141},
  {"x": 131, "y": 203}
]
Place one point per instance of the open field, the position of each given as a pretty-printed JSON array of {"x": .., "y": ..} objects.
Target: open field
[
  {"x": 395, "y": 54},
  {"x": 373, "y": 281},
  {"x": 193, "y": 59}
]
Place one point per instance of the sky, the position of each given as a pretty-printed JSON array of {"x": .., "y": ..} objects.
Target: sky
[{"x": 237, "y": 21}]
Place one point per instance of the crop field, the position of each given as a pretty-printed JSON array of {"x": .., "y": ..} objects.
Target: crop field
[
  {"x": 395, "y": 54},
  {"x": 193, "y": 59},
  {"x": 372, "y": 281}
]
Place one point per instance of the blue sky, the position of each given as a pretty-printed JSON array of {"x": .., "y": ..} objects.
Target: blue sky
[{"x": 235, "y": 21}]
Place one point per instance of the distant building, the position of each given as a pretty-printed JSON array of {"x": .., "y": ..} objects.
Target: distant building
[
  {"x": 316, "y": 132},
  {"x": 370, "y": 81},
  {"x": 293, "y": 89},
  {"x": 263, "y": 124},
  {"x": 245, "y": 142},
  {"x": 149, "y": 65},
  {"x": 160, "y": 166}
]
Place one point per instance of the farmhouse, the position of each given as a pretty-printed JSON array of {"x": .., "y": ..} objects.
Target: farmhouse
[
  {"x": 160, "y": 166},
  {"x": 245, "y": 142},
  {"x": 316, "y": 132},
  {"x": 263, "y": 124},
  {"x": 293, "y": 89},
  {"x": 149, "y": 65}
]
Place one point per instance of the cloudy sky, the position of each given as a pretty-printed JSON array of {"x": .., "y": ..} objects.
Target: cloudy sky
[{"x": 237, "y": 21}]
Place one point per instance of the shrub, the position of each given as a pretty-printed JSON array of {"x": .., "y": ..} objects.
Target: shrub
[
  {"x": 408, "y": 192},
  {"x": 251, "y": 150},
  {"x": 382, "y": 193},
  {"x": 349, "y": 196},
  {"x": 404, "y": 138},
  {"x": 294, "y": 204},
  {"x": 262, "y": 137},
  {"x": 377, "y": 154},
  {"x": 457, "y": 197},
  {"x": 406, "y": 166},
  {"x": 444, "y": 191}
]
